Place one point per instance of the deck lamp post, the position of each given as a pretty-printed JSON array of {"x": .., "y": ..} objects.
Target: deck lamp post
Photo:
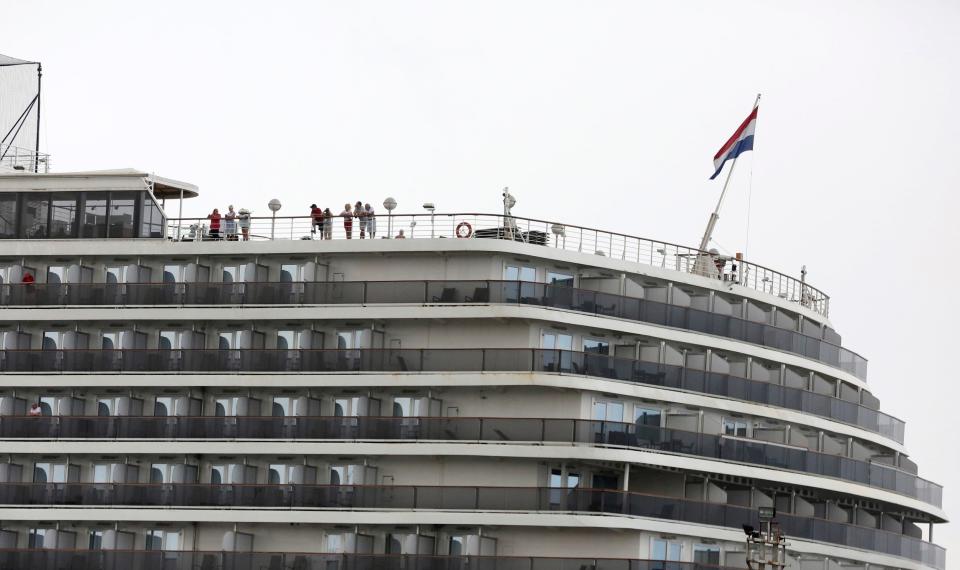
[
  {"x": 390, "y": 205},
  {"x": 428, "y": 206},
  {"x": 274, "y": 206},
  {"x": 559, "y": 231}
]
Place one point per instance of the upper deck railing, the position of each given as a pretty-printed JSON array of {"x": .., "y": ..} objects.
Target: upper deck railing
[
  {"x": 19, "y": 159},
  {"x": 568, "y": 237}
]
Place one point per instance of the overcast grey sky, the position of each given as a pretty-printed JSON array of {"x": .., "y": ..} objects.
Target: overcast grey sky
[{"x": 598, "y": 113}]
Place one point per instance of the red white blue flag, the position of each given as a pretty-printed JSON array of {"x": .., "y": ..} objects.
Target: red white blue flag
[{"x": 741, "y": 141}]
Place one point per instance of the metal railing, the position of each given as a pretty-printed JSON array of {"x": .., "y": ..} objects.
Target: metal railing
[
  {"x": 458, "y": 498},
  {"x": 538, "y": 232},
  {"x": 19, "y": 159},
  {"x": 435, "y": 292},
  {"x": 50, "y": 559},
  {"x": 241, "y": 361},
  {"x": 515, "y": 430}
]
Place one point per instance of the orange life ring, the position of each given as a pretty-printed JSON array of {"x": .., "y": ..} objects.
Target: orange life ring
[{"x": 464, "y": 226}]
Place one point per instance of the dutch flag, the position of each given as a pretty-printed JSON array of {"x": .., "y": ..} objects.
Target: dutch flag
[{"x": 741, "y": 141}]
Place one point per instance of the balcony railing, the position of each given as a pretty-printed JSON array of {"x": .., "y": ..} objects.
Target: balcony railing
[
  {"x": 515, "y": 430},
  {"x": 460, "y": 498},
  {"x": 37, "y": 559},
  {"x": 645, "y": 251},
  {"x": 435, "y": 292},
  {"x": 452, "y": 360},
  {"x": 19, "y": 159}
]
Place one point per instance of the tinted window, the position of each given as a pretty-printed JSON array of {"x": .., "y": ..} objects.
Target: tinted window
[
  {"x": 122, "y": 208},
  {"x": 151, "y": 220},
  {"x": 94, "y": 221},
  {"x": 8, "y": 215},
  {"x": 63, "y": 215},
  {"x": 33, "y": 217}
]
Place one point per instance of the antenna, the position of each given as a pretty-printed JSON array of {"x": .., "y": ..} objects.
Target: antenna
[{"x": 767, "y": 547}]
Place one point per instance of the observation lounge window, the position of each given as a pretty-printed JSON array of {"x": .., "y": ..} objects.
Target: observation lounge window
[
  {"x": 151, "y": 219},
  {"x": 94, "y": 221},
  {"x": 63, "y": 215},
  {"x": 34, "y": 213},
  {"x": 123, "y": 206},
  {"x": 8, "y": 216}
]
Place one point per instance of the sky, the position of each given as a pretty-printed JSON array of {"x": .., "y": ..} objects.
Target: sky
[{"x": 605, "y": 114}]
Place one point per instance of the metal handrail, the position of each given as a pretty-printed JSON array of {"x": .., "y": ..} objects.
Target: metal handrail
[
  {"x": 657, "y": 253},
  {"x": 671, "y": 440},
  {"x": 497, "y": 291},
  {"x": 114, "y": 559},
  {"x": 278, "y": 360},
  {"x": 451, "y": 497},
  {"x": 16, "y": 158}
]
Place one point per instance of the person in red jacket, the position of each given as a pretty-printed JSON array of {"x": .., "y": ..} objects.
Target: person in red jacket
[
  {"x": 214, "y": 224},
  {"x": 316, "y": 220}
]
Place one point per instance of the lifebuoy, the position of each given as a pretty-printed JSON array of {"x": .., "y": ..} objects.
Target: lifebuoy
[{"x": 464, "y": 230}]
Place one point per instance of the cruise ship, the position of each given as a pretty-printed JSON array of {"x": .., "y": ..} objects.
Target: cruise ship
[{"x": 489, "y": 392}]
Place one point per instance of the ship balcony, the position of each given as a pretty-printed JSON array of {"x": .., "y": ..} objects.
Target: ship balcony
[
  {"x": 460, "y": 498},
  {"x": 50, "y": 559},
  {"x": 434, "y": 292},
  {"x": 543, "y": 233},
  {"x": 501, "y": 430},
  {"x": 522, "y": 360}
]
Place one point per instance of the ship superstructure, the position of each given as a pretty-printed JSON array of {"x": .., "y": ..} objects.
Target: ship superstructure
[{"x": 490, "y": 390}]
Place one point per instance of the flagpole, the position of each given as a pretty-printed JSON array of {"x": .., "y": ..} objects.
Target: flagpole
[{"x": 716, "y": 212}]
